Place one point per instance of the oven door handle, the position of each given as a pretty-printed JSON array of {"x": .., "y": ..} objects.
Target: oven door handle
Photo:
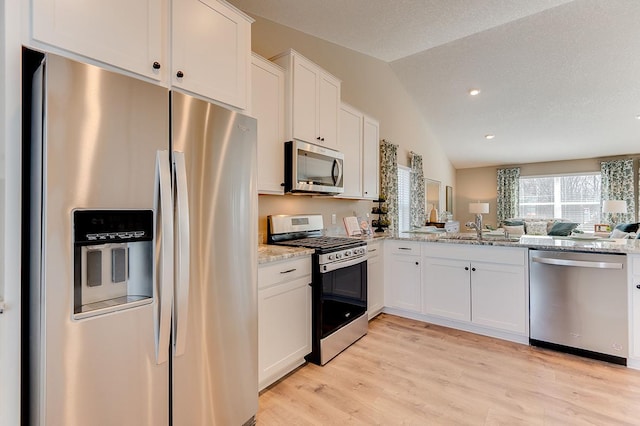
[{"x": 329, "y": 267}]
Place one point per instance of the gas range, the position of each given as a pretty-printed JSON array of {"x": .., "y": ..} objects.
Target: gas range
[
  {"x": 339, "y": 282},
  {"x": 306, "y": 231}
]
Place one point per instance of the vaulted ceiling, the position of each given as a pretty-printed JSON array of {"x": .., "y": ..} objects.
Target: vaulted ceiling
[{"x": 558, "y": 79}]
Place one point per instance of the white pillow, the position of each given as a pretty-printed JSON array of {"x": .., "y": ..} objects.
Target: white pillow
[
  {"x": 515, "y": 230},
  {"x": 536, "y": 228},
  {"x": 616, "y": 233}
]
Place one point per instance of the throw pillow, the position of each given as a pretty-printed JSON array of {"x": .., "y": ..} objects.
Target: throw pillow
[
  {"x": 616, "y": 233},
  {"x": 627, "y": 227},
  {"x": 536, "y": 228},
  {"x": 562, "y": 229},
  {"x": 514, "y": 231},
  {"x": 513, "y": 222}
]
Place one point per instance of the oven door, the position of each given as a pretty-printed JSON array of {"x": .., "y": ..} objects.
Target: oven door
[{"x": 344, "y": 294}]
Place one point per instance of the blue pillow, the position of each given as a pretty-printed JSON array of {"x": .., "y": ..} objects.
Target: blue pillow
[
  {"x": 627, "y": 227},
  {"x": 513, "y": 222},
  {"x": 562, "y": 229}
]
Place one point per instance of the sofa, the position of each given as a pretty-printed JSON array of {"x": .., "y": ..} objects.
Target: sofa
[{"x": 526, "y": 226}]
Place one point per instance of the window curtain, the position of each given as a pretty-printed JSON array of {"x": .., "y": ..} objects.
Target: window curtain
[
  {"x": 618, "y": 184},
  {"x": 417, "y": 210},
  {"x": 389, "y": 181},
  {"x": 508, "y": 194}
]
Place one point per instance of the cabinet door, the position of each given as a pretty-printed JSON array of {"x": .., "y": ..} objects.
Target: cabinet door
[
  {"x": 447, "y": 290},
  {"x": 634, "y": 318},
  {"x": 123, "y": 33},
  {"x": 267, "y": 92},
  {"x": 499, "y": 296},
  {"x": 284, "y": 328},
  {"x": 370, "y": 159},
  {"x": 328, "y": 110},
  {"x": 351, "y": 126},
  {"x": 211, "y": 50},
  {"x": 404, "y": 281},
  {"x": 305, "y": 100},
  {"x": 375, "y": 281}
]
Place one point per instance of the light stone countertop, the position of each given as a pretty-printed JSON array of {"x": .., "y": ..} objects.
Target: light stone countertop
[
  {"x": 272, "y": 253},
  {"x": 600, "y": 245}
]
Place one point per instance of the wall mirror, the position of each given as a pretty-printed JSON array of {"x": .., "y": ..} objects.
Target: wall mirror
[{"x": 432, "y": 196}]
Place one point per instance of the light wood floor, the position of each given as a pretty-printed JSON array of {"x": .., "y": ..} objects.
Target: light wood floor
[{"x": 409, "y": 372}]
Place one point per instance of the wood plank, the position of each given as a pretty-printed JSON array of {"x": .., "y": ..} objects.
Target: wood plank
[{"x": 409, "y": 372}]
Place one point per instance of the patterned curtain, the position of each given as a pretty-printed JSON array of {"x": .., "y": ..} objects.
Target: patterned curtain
[
  {"x": 618, "y": 184},
  {"x": 508, "y": 193},
  {"x": 389, "y": 181},
  {"x": 417, "y": 212}
]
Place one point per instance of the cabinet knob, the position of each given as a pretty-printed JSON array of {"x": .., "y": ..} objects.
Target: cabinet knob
[
  {"x": 466, "y": 268},
  {"x": 417, "y": 263},
  {"x": 318, "y": 138},
  {"x": 282, "y": 184},
  {"x": 322, "y": 139},
  {"x": 638, "y": 286},
  {"x": 156, "y": 65},
  {"x": 179, "y": 74},
  {"x": 473, "y": 269}
]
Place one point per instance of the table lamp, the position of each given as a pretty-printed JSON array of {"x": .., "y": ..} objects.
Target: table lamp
[{"x": 614, "y": 207}]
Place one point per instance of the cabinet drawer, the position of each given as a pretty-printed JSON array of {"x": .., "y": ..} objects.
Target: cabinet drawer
[
  {"x": 286, "y": 270},
  {"x": 373, "y": 249},
  {"x": 407, "y": 248}
]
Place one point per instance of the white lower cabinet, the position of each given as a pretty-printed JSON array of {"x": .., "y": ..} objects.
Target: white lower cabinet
[
  {"x": 402, "y": 276},
  {"x": 633, "y": 360},
  {"x": 447, "y": 288},
  {"x": 375, "y": 279},
  {"x": 484, "y": 286},
  {"x": 284, "y": 317},
  {"x": 499, "y": 296}
]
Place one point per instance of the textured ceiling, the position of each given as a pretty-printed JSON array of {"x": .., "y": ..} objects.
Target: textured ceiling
[{"x": 559, "y": 80}]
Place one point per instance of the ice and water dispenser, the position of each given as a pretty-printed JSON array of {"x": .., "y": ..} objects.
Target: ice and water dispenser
[{"x": 113, "y": 260}]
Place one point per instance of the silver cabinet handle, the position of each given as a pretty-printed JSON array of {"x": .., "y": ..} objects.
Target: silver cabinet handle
[
  {"x": 578, "y": 263},
  {"x": 181, "y": 305},
  {"x": 290, "y": 270},
  {"x": 372, "y": 250},
  {"x": 164, "y": 214},
  {"x": 404, "y": 248}
]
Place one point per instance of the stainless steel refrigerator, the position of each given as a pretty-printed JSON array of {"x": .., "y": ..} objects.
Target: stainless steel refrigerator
[{"x": 140, "y": 258}]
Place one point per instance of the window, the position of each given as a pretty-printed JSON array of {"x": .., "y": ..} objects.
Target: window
[
  {"x": 404, "y": 198},
  {"x": 571, "y": 197}
]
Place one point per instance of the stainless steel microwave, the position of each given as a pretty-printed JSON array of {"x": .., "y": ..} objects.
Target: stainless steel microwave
[{"x": 310, "y": 168}]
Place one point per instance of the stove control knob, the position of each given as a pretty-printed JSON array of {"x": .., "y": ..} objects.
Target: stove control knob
[
  {"x": 330, "y": 257},
  {"x": 338, "y": 255},
  {"x": 347, "y": 253}
]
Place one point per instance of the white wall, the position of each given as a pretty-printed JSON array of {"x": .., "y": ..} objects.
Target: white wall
[{"x": 10, "y": 51}]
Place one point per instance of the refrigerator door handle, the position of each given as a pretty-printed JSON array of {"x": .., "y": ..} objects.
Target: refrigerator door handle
[
  {"x": 164, "y": 266},
  {"x": 182, "y": 256}
]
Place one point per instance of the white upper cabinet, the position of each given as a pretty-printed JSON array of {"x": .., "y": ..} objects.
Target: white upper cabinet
[
  {"x": 350, "y": 144},
  {"x": 312, "y": 100},
  {"x": 211, "y": 47},
  {"x": 358, "y": 141},
  {"x": 126, "y": 34},
  {"x": 267, "y": 106},
  {"x": 370, "y": 158}
]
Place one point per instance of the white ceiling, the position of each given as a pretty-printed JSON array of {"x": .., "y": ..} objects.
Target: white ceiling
[{"x": 559, "y": 79}]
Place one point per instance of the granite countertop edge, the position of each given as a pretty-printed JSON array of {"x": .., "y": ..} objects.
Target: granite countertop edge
[
  {"x": 272, "y": 253},
  {"x": 616, "y": 246}
]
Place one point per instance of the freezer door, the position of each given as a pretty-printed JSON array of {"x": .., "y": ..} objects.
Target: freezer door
[
  {"x": 215, "y": 381},
  {"x": 98, "y": 146}
]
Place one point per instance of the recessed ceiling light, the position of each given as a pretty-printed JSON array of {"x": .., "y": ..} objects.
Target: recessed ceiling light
[
  {"x": 474, "y": 92},
  {"x": 489, "y": 136}
]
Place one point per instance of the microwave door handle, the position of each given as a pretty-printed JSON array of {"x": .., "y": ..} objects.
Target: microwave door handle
[{"x": 336, "y": 165}]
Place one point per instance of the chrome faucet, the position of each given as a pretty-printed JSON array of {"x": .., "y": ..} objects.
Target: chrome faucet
[{"x": 477, "y": 225}]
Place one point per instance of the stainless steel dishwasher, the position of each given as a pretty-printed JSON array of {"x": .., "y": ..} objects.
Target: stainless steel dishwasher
[{"x": 578, "y": 303}]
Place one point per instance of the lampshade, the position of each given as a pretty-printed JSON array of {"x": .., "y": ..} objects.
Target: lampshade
[
  {"x": 479, "y": 208},
  {"x": 614, "y": 206}
]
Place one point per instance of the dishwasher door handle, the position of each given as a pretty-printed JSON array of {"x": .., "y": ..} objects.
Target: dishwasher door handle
[{"x": 577, "y": 263}]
